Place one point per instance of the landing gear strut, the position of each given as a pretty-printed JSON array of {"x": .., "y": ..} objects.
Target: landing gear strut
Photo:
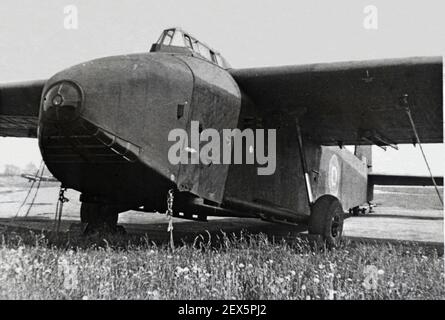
[
  {"x": 326, "y": 219},
  {"x": 100, "y": 217}
]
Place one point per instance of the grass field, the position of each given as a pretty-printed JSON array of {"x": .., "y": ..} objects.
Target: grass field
[
  {"x": 34, "y": 266},
  {"x": 40, "y": 266}
]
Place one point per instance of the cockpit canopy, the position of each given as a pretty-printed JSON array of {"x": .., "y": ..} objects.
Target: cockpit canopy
[{"x": 177, "y": 40}]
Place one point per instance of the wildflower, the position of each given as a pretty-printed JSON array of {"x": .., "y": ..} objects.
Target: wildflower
[
  {"x": 391, "y": 284},
  {"x": 331, "y": 294},
  {"x": 308, "y": 297},
  {"x": 320, "y": 266},
  {"x": 270, "y": 261},
  {"x": 303, "y": 287},
  {"x": 380, "y": 272},
  {"x": 180, "y": 270},
  {"x": 195, "y": 269},
  {"x": 154, "y": 294},
  {"x": 249, "y": 265},
  {"x": 241, "y": 265},
  {"x": 280, "y": 280},
  {"x": 293, "y": 273},
  {"x": 85, "y": 298},
  {"x": 316, "y": 280}
]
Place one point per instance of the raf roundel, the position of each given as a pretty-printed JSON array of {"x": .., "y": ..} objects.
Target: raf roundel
[{"x": 334, "y": 175}]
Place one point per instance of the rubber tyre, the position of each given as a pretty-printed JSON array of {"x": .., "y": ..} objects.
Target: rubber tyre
[
  {"x": 356, "y": 211},
  {"x": 326, "y": 220},
  {"x": 99, "y": 215},
  {"x": 89, "y": 212}
]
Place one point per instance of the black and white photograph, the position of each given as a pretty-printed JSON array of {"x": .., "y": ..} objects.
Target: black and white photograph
[{"x": 221, "y": 154}]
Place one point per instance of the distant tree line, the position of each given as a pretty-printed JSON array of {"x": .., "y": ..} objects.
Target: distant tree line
[{"x": 13, "y": 170}]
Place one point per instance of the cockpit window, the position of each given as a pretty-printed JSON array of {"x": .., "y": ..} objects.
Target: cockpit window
[
  {"x": 175, "y": 37},
  {"x": 168, "y": 37},
  {"x": 213, "y": 55},
  {"x": 188, "y": 41},
  {"x": 219, "y": 60},
  {"x": 178, "y": 39},
  {"x": 204, "y": 51}
]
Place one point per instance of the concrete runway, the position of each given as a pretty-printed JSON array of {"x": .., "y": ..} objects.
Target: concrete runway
[{"x": 393, "y": 220}]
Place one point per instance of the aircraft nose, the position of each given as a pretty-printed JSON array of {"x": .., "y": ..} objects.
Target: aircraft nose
[{"x": 62, "y": 102}]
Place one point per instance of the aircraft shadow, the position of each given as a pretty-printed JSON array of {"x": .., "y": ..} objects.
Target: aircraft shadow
[
  {"x": 212, "y": 234},
  {"x": 397, "y": 216}
]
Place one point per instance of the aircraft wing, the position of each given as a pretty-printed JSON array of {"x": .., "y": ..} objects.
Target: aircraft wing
[
  {"x": 353, "y": 102},
  {"x": 19, "y": 108},
  {"x": 401, "y": 180}
]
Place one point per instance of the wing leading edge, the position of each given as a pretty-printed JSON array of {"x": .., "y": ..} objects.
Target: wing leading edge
[
  {"x": 19, "y": 108},
  {"x": 353, "y": 102}
]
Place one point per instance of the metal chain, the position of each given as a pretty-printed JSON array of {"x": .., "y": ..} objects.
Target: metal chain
[
  {"x": 59, "y": 208},
  {"x": 62, "y": 197},
  {"x": 169, "y": 212}
]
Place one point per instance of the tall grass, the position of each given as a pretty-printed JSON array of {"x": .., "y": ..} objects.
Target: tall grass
[{"x": 32, "y": 266}]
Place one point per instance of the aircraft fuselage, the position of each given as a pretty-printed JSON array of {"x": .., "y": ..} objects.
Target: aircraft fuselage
[{"x": 104, "y": 126}]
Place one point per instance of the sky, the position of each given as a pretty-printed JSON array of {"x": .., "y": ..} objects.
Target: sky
[{"x": 35, "y": 43}]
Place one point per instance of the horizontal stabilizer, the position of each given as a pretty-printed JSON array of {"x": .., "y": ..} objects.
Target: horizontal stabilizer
[{"x": 401, "y": 180}]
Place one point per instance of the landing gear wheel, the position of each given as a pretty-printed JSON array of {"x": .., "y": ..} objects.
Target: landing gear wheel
[
  {"x": 326, "y": 220},
  {"x": 100, "y": 217},
  {"x": 355, "y": 211},
  {"x": 88, "y": 212}
]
